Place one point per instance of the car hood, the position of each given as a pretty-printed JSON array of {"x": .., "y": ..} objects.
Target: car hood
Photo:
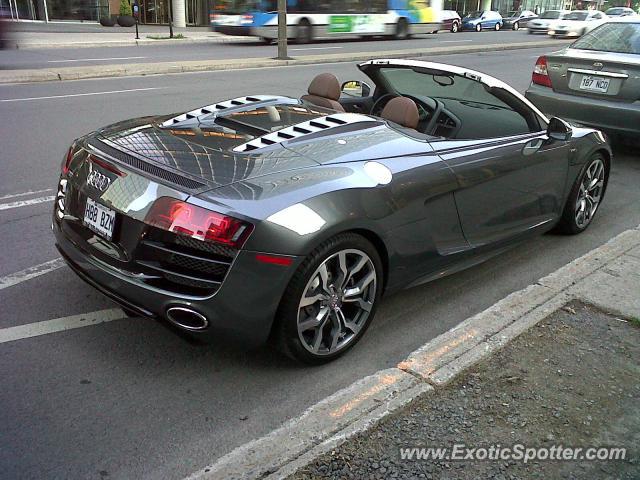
[{"x": 219, "y": 155}]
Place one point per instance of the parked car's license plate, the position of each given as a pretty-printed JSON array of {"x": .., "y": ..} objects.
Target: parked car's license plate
[
  {"x": 594, "y": 84},
  {"x": 99, "y": 218}
]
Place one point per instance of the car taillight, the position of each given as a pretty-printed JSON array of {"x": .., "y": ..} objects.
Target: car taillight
[
  {"x": 540, "y": 73},
  {"x": 66, "y": 161},
  {"x": 196, "y": 222}
]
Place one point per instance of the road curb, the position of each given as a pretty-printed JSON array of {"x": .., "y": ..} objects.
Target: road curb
[
  {"x": 139, "y": 69},
  {"x": 366, "y": 402}
]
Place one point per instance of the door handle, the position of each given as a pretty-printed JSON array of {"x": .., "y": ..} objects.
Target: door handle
[{"x": 532, "y": 146}]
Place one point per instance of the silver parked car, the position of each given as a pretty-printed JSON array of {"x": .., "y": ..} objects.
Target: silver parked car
[
  {"x": 595, "y": 81},
  {"x": 547, "y": 20},
  {"x": 577, "y": 23}
]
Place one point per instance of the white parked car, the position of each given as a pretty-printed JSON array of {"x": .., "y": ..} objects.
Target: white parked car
[
  {"x": 546, "y": 21},
  {"x": 577, "y": 23}
]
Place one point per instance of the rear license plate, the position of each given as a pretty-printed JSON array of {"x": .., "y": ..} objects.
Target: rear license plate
[
  {"x": 594, "y": 84},
  {"x": 99, "y": 218}
]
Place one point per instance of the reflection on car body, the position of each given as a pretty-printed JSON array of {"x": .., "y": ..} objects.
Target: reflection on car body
[{"x": 270, "y": 217}]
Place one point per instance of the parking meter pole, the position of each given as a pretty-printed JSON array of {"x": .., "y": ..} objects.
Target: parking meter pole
[{"x": 136, "y": 14}]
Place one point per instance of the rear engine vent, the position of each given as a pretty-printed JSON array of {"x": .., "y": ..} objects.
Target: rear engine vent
[
  {"x": 209, "y": 109},
  {"x": 302, "y": 129}
]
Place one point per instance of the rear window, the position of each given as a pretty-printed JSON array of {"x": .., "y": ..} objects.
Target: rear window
[{"x": 612, "y": 37}]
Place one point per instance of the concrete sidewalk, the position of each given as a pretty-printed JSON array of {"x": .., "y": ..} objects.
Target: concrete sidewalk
[
  {"x": 606, "y": 278},
  {"x": 118, "y": 37},
  {"x": 136, "y": 69}
]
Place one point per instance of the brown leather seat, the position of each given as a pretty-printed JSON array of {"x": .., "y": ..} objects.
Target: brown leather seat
[
  {"x": 403, "y": 111},
  {"x": 324, "y": 91}
]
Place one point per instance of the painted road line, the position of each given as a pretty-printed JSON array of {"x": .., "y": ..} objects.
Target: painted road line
[
  {"x": 315, "y": 48},
  {"x": 24, "y": 203},
  {"x": 29, "y": 273},
  {"x": 111, "y": 92},
  {"x": 94, "y": 59},
  {"x": 37, "y": 329},
  {"x": 455, "y": 41},
  {"x": 25, "y": 194}
]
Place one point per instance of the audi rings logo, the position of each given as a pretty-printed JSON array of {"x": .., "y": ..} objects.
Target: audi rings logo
[{"x": 98, "y": 181}]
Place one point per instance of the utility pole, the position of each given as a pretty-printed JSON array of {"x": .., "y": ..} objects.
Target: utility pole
[
  {"x": 170, "y": 19},
  {"x": 282, "y": 30}
]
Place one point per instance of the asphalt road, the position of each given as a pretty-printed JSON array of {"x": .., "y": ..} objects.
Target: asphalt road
[
  {"x": 129, "y": 399},
  {"x": 72, "y": 57}
]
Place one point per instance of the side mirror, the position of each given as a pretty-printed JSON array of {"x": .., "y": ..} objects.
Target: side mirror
[
  {"x": 559, "y": 129},
  {"x": 356, "y": 88}
]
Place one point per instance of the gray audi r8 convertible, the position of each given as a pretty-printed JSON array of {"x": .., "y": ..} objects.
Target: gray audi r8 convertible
[{"x": 270, "y": 217}]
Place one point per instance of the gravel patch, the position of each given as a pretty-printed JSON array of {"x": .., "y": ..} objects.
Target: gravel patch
[{"x": 572, "y": 380}]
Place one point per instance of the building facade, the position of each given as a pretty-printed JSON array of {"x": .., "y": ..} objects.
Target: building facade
[{"x": 185, "y": 12}]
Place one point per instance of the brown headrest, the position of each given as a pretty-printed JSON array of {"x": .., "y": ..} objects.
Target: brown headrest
[
  {"x": 325, "y": 85},
  {"x": 403, "y": 111}
]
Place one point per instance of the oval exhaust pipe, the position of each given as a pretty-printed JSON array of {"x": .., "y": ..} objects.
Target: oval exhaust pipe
[{"x": 186, "y": 318}]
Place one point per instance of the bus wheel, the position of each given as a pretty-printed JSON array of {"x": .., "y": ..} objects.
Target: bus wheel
[
  {"x": 304, "y": 32},
  {"x": 402, "y": 29}
]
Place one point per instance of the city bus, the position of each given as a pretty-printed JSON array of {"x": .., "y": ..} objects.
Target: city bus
[{"x": 308, "y": 20}]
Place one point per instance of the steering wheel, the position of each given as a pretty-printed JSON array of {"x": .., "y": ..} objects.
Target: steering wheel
[{"x": 428, "y": 109}]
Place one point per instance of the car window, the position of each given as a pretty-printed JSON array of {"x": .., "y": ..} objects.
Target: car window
[
  {"x": 551, "y": 15},
  {"x": 612, "y": 37},
  {"x": 481, "y": 113},
  {"x": 579, "y": 16},
  {"x": 597, "y": 16}
]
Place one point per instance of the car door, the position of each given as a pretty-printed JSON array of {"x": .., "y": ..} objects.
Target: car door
[{"x": 509, "y": 184}]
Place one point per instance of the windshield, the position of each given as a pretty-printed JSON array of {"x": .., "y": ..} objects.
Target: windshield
[
  {"x": 474, "y": 15},
  {"x": 513, "y": 14},
  {"x": 481, "y": 114},
  {"x": 579, "y": 16},
  {"x": 236, "y": 7},
  {"x": 612, "y": 37},
  {"x": 615, "y": 11},
  {"x": 552, "y": 15}
]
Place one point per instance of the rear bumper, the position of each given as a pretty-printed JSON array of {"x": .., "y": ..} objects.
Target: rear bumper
[
  {"x": 243, "y": 308},
  {"x": 616, "y": 117}
]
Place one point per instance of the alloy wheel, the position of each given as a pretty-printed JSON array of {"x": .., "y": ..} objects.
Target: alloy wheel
[
  {"x": 516, "y": 26},
  {"x": 336, "y": 302},
  {"x": 589, "y": 193}
]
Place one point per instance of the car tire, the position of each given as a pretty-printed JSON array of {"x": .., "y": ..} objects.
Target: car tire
[
  {"x": 314, "y": 344},
  {"x": 402, "y": 29},
  {"x": 516, "y": 26},
  {"x": 582, "y": 196},
  {"x": 478, "y": 28},
  {"x": 497, "y": 27},
  {"x": 455, "y": 27},
  {"x": 304, "y": 32}
]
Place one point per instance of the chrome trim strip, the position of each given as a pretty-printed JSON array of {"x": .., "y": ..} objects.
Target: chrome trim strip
[{"x": 598, "y": 73}]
